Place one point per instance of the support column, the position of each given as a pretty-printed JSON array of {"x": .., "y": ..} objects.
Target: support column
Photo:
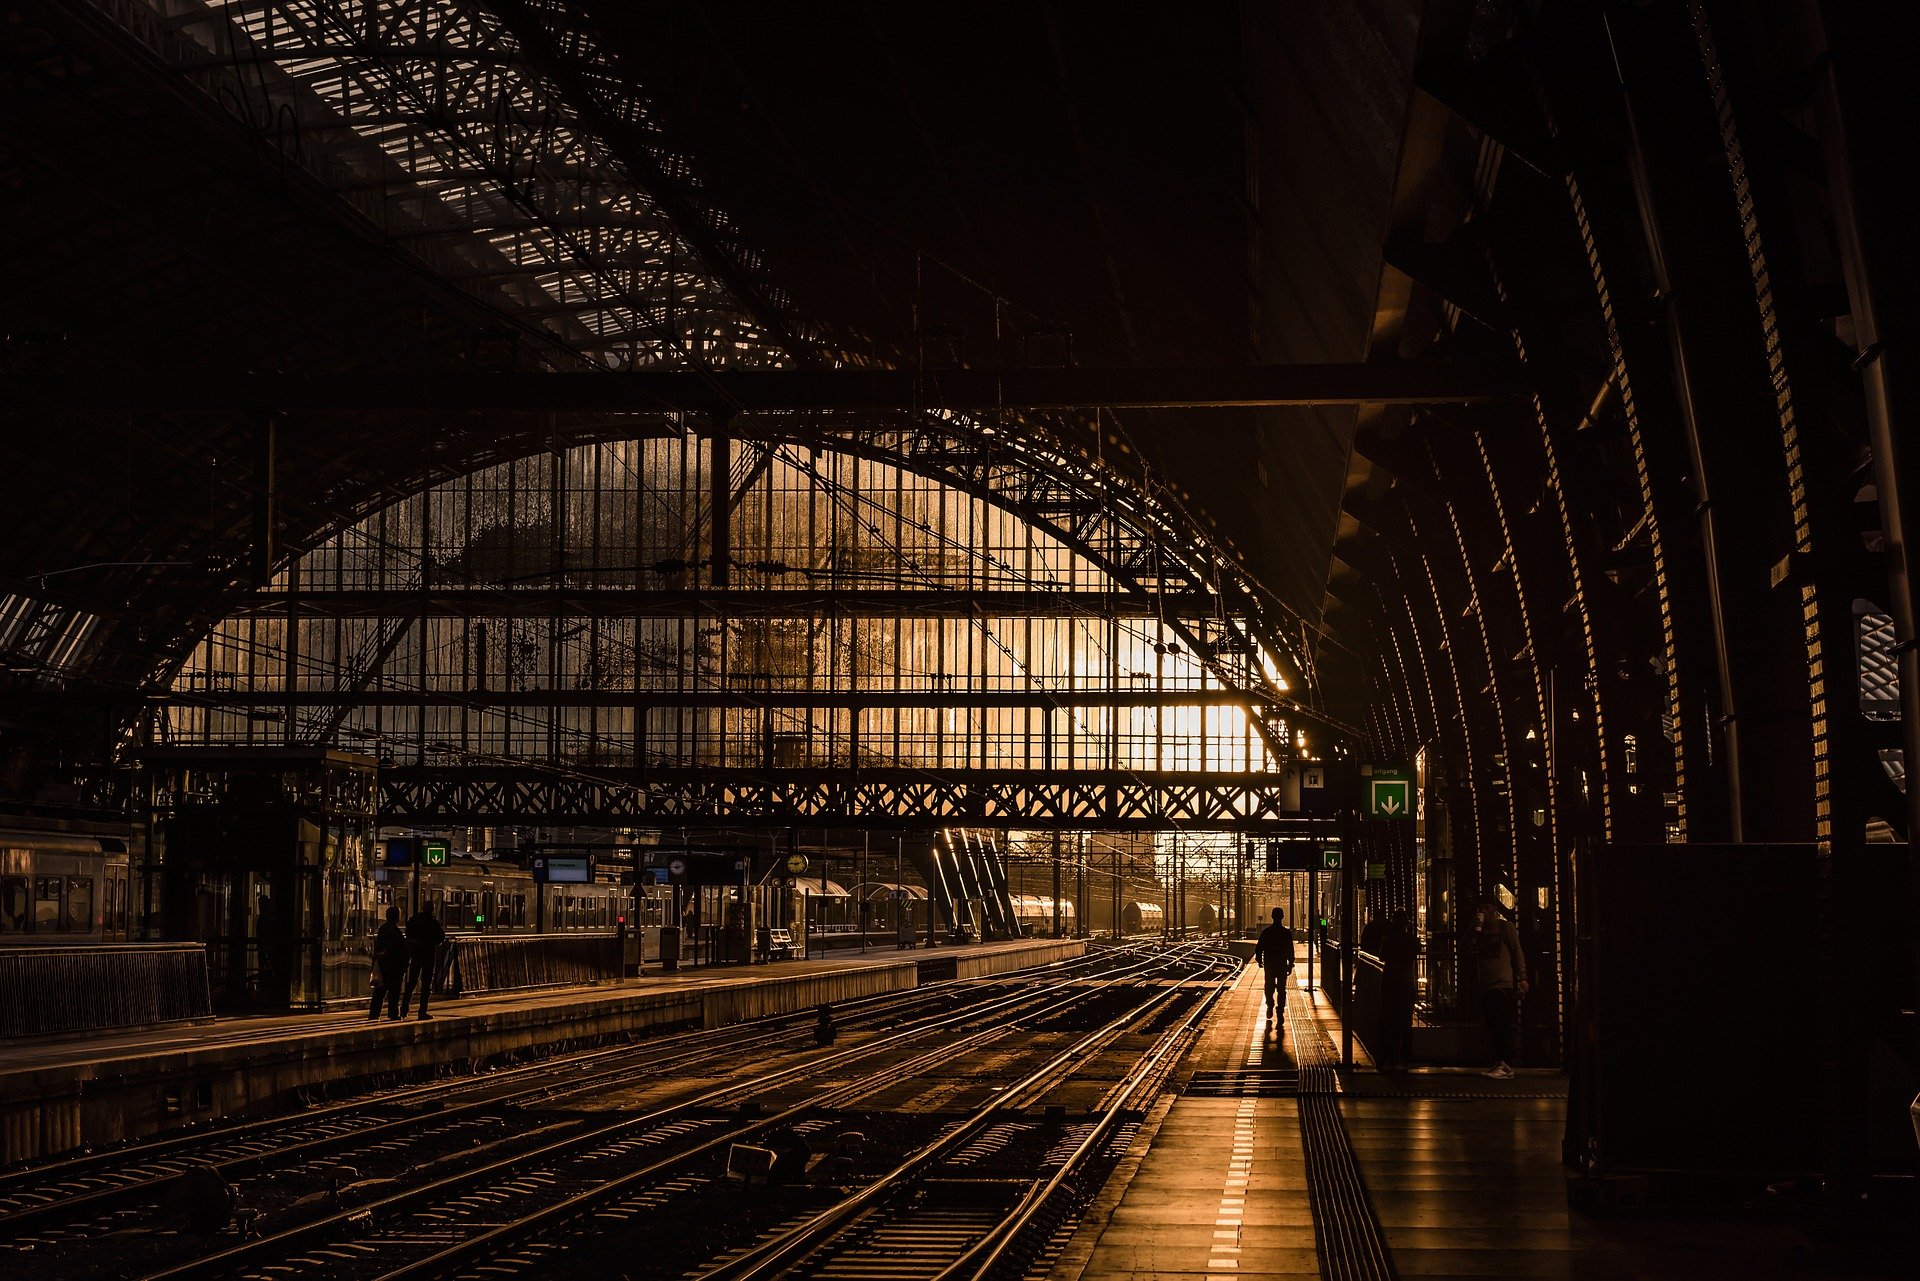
[
  {"x": 720, "y": 483},
  {"x": 265, "y": 434}
]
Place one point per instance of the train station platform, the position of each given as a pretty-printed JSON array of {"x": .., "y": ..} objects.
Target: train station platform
[
  {"x": 59, "y": 1093},
  {"x": 1264, "y": 1161}
]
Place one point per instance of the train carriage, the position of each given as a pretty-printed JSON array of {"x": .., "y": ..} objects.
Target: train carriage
[
  {"x": 1035, "y": 914},
  {"x": 1142, "y": 918},
  {"x": 65, "y": 887},
  {"x": 476, "y": 896}
]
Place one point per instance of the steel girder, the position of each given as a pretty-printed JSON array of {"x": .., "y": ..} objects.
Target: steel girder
[
  {"x": 558, "y": 40},
  {"x": 1727, "y": 358},
  {"x": 347, "y": 72},
  {"x": 721, "y": 394},
  {"x": 916, "y": 799},
  {"x": 746, "y": 694},
  {"x": 536, "y": 600},
  {"x": 384, "y": 124},
  {"x": 434, "y": 122},
  {"x": 1579, "y": 552}
]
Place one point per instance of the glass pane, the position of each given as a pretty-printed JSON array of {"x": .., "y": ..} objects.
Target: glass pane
[
  {"x": 13, "y": 904},
  {"x": 46, "y": 906},
  {"x": 80, "y": 904}
]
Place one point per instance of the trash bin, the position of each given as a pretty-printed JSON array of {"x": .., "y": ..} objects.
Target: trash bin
[{"x": 669, "y": 947}]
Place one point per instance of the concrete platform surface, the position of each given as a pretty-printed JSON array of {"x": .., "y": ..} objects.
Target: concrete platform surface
[
  {"x": 1221, "y": 1186},
  {"x": 1458, "y": 1176}
]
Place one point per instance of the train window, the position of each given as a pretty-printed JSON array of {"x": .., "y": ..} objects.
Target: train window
[
  {"x": 46, "y": 905},
  {"x": 13, "y": 905},
  {"x": 80, "y": 904}
]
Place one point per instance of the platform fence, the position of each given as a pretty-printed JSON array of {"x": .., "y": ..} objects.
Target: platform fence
[
  {"x": 78, "y": 989},
  {"x": 513, "y": 963}
]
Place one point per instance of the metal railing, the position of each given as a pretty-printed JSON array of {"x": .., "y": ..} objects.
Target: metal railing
[
  {"x": 503, "y": 964},
  {"x": 85, "y": 988}
]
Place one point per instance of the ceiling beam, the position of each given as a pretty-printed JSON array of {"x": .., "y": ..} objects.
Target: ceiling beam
[
  {"x": 531, "y": 600},
  {"x": 725, "y": 393},
  {"x": 268, "y": 704}
]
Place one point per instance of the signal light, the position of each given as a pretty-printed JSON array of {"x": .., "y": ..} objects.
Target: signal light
[
  {"x": 622, "y": 920},
  {"x": 479, "y": 919}
]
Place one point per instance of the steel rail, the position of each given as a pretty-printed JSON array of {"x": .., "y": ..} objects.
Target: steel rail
[
  {"x": 179, "y": 1151},
  {"x": 278, "y": 1244},
  {"x": 985, "y": 1255},
  {"x": 775, "y": 1257},
  {"x": 505, "y": 1234}
]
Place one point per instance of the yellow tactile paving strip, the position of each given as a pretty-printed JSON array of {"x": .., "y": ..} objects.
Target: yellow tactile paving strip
[{"x": 1223, "y": 1191}]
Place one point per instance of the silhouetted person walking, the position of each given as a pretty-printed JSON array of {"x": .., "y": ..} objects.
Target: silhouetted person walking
[
  {"x": 424, "y": 937},
  {"x": 389, "y": 965},
  {"x": 1503, "y": 981},
  {"x": 1274, "y": 953}
]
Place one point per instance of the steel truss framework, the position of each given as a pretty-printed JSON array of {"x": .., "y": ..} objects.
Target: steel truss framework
[
  {"x": 494, "y": 147},
  {"x": 403, "y": 632},
  {"x": 1614, "y": 611},
  {"x": 499, "y": 144},
  {"x": 466, "y": 601},
  {"x": 1074, "y": 801},
  {"x": 723, "y": 394}
]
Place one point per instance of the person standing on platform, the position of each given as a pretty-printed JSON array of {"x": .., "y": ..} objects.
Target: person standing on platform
[
  {"x": 1274, "y": 953},
  {"x": 389, "y": 965},
  {"x": 1503, "y": 981},
  {"x": 1399, "y": 958},
  {"x": 690, "y": 929},
  {"x": 424, "y": 937}
]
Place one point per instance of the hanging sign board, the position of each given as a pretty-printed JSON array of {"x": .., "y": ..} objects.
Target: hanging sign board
[
  {"x": 1293, "y": 856},
  {"x": 563, "y": 871},
  {"x": 1389, "y": 790}
]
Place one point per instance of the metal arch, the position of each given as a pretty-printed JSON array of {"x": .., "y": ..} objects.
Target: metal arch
[
  {"x": 1102, "y": 494},
  {"x": 1213, "y": 812},
  {"x": 431, "y": 126},
  {"x": 392, "y": 92},
  {"x": 1081, "y": 537},
  {"x": 1107, "y": 509}
]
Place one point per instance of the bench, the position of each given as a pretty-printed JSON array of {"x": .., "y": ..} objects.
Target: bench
[{"x": 777, "y": 945}]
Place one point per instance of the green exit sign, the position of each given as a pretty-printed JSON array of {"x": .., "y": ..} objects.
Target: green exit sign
[
  {"x": 434, "y": 854},
  {"x": 1330, "y": 859},
  {"x": 1389, "y": 790}
]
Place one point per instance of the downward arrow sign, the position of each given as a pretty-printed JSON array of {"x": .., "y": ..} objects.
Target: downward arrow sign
[{"x": 1391, "y": 804}]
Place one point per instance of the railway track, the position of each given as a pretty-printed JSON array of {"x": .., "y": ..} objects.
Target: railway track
[
  {"x": 622, "y": 1168},
  {"x": 934, "y": 1216},
  {"x": 43, "y": 1205}
]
